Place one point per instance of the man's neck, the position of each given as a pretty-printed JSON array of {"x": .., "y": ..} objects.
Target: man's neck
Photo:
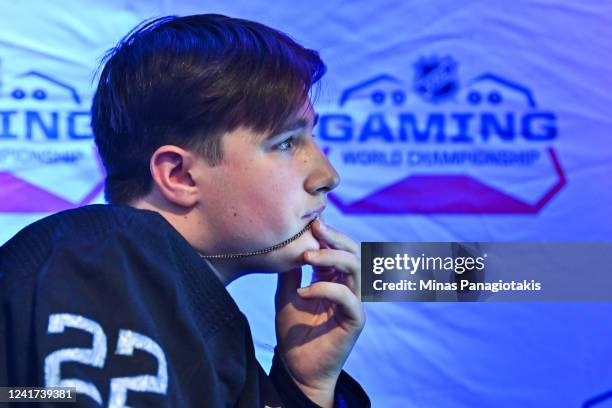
[{"x": 225, "y": 270}]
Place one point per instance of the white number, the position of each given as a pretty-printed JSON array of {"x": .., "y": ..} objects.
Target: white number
[
  {"x": 93, "y": 357},
  {"x": 128, "y": 341},
  {"x": 126, "y": 344}
]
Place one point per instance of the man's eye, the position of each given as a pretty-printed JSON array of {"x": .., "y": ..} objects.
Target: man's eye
[{"x": 285, "y": 145}]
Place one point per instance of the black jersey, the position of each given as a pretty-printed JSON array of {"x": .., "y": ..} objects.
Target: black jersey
[{"x": 113, "y": 301}]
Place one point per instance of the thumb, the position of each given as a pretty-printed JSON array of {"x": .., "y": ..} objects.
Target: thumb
[{"x": 287, "y": 284}]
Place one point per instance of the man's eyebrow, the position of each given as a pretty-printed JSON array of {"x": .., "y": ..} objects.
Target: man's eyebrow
[{"x": 298, "y": 124}]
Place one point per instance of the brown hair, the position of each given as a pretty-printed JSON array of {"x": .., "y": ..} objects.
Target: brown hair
[{"x": 187, "y": 80}]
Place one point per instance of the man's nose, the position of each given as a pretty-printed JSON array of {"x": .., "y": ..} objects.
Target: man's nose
[{"x": 322, "y": 176}]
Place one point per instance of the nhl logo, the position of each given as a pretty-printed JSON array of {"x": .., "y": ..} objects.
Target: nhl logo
[{"x": 435, "y": 78}]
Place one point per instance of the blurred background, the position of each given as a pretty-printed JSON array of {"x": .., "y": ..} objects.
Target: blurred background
[{"x": 448, "y": 121}]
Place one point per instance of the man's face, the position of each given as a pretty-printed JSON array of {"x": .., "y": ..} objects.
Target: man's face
[{"x": 266, "y": 190}]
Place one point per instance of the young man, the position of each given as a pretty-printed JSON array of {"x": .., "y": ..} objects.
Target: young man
[{"x": 204, "y": 125}]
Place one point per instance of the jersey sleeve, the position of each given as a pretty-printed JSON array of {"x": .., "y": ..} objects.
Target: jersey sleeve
[{"x": 348, "y": 394}]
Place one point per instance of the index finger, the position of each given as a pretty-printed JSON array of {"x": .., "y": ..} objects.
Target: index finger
[{"x": 335, "y": 239}]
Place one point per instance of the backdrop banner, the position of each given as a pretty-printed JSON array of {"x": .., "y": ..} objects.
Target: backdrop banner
[
  {"x": 448, "y": 122},
  {"x": 486, "y": 272}
]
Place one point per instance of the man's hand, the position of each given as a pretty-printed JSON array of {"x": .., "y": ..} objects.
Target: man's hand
[{"x": 317, "y": 326}]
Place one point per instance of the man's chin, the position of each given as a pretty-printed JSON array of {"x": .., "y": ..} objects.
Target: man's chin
[
  {"x": 292, "y": 255},
  {"x": 304, "y": 243}
]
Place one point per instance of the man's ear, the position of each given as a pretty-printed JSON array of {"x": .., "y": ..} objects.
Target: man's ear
[{"x": 171, "y": 169}]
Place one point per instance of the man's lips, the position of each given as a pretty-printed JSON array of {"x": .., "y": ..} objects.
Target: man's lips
[{"x": 314, "y": 214}]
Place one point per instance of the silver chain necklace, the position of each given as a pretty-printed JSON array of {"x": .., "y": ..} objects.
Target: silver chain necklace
[{"x": 261, "y": 251}]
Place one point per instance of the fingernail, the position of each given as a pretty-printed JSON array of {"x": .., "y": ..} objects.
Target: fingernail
[
  {"x": 303, "y": 290},
  {"x": 311, "y": 254}
]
